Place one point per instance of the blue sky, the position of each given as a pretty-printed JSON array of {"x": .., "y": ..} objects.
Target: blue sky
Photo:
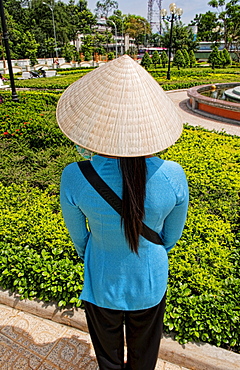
[{"x": 140, "y": 7}]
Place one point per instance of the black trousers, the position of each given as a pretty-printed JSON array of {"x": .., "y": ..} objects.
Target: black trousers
[{"x": 143, "y": 335}]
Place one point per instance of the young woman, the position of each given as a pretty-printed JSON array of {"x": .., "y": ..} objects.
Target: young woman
[{"x": 120, "y": 112}]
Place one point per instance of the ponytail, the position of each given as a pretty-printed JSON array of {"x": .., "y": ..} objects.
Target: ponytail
[{"x": 134, "y": 189}]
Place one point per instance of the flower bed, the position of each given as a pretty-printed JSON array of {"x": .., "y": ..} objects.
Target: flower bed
[{"x": 37, "y": 258}]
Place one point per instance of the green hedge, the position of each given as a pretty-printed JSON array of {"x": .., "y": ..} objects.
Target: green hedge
[
  {"x": 37, "y": 258},
  {"x": 180, "y": 79}
]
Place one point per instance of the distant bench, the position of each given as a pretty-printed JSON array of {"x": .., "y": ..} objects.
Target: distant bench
[{"x": 27, "y": 75}]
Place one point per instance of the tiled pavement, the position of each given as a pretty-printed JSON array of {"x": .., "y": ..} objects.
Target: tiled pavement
[{"x": 28, "y": 342}]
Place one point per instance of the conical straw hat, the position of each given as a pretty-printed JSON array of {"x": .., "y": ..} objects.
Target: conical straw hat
[{"x": 119, "y": 110}]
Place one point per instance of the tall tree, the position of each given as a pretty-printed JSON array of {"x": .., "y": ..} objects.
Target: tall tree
[
  {"x": 138, "y": 28},
  {"x": 182, "y": 37},
  {"x": 205, "y": 24},
  {"x": 228, "y": 14},
  {"x": 119, "y": 19},
  {"x": 105, "y": 7}
]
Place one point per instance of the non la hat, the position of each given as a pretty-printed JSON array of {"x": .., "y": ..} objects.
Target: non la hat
[{"x": 119, "y": 110}]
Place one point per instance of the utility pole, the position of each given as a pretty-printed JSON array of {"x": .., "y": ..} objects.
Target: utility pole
[{"x": 5, "y": 38}]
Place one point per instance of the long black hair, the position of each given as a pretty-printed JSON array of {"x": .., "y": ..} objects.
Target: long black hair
[{"x": 134, "y": 172}]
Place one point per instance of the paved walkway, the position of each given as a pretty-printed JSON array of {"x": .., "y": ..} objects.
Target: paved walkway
[
  {"x": 180, "y": 98},
  {"x": 28, "y": 342}
]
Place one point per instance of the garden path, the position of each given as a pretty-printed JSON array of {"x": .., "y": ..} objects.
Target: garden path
[
  {"x": 29, "y": 342},
  {"x": 180, "y": 98}
]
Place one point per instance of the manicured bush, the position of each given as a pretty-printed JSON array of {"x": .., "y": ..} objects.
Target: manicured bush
[
  {"x": 186, "y": 58},
  {"x": 33, "y": 148},
  {"x": 155, "y": 58},
  {"x": 215, "y": 58},
  {"x": 192, "y": 59},
  {"x": 164, "y": 58},
  {"x": 37, "y": 258},
  {"x": 179, "y": 59},
  {"x": 146, "y": 61}
]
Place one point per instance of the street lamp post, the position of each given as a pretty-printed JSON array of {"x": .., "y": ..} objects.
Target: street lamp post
[
  {"x": 5, "y": 38},
  {"x": 54, "y": 29},
  {"x": 122, "y": 33},
  {"x": 175, "y": 14},
  {"x": 145, "y": 30},
  {"x": 109, "y": 20}
]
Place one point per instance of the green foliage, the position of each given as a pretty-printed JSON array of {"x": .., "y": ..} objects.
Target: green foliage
[
  {"x": 164, "y": 58},
  {"x": 186, "y": 58},
  {"x": 185, "y": 78},
  {"x": 32, "y": 146},
  {"x": 137, "y": 27},
  {"x": 111, "y": 56},
  {"x": 61, "y": 81},
  {"x": 35, "y": 31},
  {"x": 68, "y": 52},
  {"x": 227, "y": 57},
  {"x": 215, "y": 58},
  {"x": 182, "y": 37},
  {"x": 222, "y": 58},
  {"x": 156, "y": 58},
  {"x": 204, "y": 277},
  {"x": 146, "y": 61},
  {"x": 192, "y": 59},
  {"x": 37, "y": 257},
  {"x": 205, "y": 23},
  {"x": 180, "y": 79},
  {"x": 179, "y": 59}
]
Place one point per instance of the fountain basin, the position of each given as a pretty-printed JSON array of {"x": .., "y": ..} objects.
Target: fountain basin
[
  {"x": 233, "y": 93},
  {"x": 218, "y": 109}
]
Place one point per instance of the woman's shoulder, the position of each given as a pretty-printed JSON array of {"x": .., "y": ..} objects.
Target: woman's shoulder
[
  {"x": 166, "y": 166},
  {"x": 71, "y": 171},
  {"x": 71, "y": 167},
  {"x": 171, "y": 167},
  {"x": 173, "y": 173}
]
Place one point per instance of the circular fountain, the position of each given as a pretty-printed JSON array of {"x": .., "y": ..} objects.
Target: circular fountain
[
  {"x": 210, "y": 106},
  {"x": 233, "y": 93}
]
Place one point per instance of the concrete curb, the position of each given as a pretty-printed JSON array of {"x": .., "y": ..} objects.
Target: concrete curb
[{"x": 195, "y": 356}]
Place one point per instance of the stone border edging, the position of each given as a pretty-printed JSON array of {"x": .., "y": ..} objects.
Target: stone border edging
[
  {"x": 195, "y": 356},
  {"x": 217, "y": 109}
]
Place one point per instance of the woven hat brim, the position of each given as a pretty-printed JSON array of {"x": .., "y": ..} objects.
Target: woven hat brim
[{"x": 119, "y": 110}]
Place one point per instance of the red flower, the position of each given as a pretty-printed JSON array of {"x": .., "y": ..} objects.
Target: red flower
[
  {"x": 17, "y": 129},
  {"x": 6, "y": 133}
]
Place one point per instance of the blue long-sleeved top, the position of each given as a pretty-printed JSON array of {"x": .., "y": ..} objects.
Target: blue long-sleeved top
[{"x": 115, "y": 277}]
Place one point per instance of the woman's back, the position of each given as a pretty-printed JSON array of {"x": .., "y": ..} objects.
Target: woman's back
[{"x": 115, "y": 277}]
